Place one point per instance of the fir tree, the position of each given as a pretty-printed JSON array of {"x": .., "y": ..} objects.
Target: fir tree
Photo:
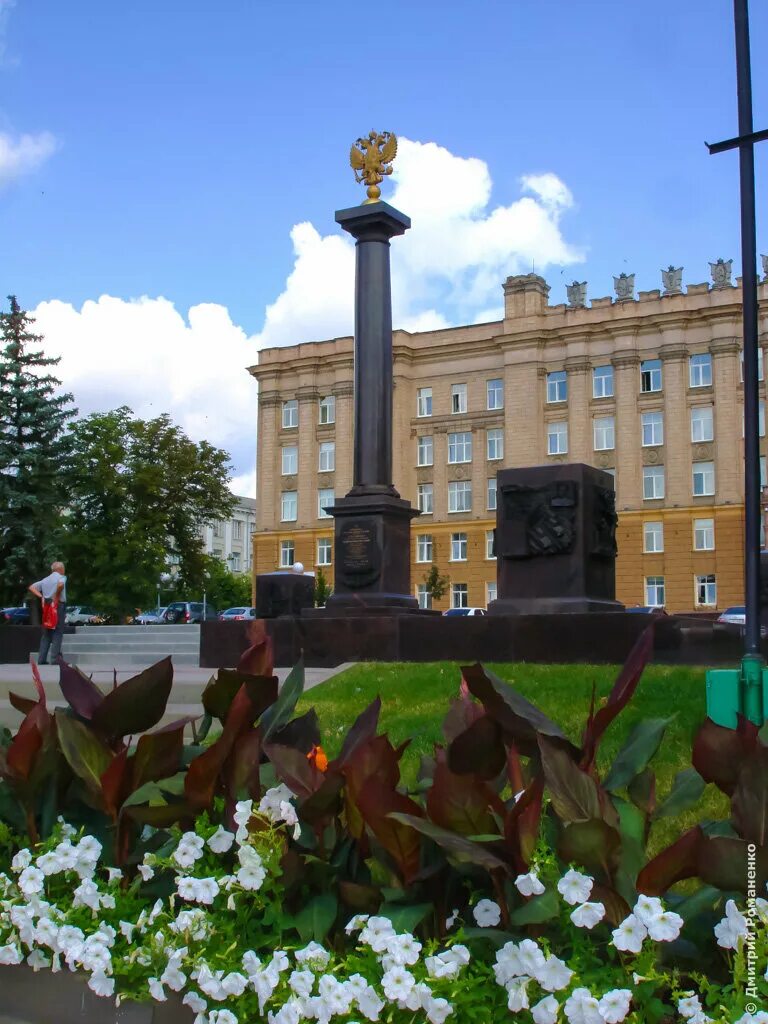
[{"x": 33, "y": 449}]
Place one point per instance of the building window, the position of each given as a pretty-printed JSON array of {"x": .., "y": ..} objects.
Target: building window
[
  {"x": 760, "y": 419},
  {"x": 424, "y": 547},
  {"x": 654, "y": 591},
  {"x": 650, "y": 375},
  {"x": 605, "y": 433},
  {"x": 706, "y": 590},
  {"x": 218, "y": 529},
  {"x": 423, "y": 596},
  {"x": 494, "y": 442},
  {"x": 763, "y": 472},
  {"x": 652, "y": 427},
  {"x": 424, "y": 402},
  {"x": 703, "y": 534},
  {"x": 237, "y": 529},
  {"x": 703, "y": 478},
  {"x": 653, "y": 482},
  {"x": 653, "y": 538},
  {"x": 324, "y": 551},
  {"x": 460, "y": 496},
  {"x": 700, "y": 370},
  {"x": 460, "y": 447},
  {"x": 290, "y": 414},
  {"x": 458, "y": 547},
  {"x": 491, "y": 494},
  {"x": 490, "y": 592},
  {"x": 288, "y": 506},
  {"x": 557, "y": 438},
  {"x": 602, "y": 382},
  {"x": 557, "y": 386},
  {"x": 489, "y": 544},
  {"x": 459, "y": 595},
  {"x": 328, "y": 409},
  {"x": 702, "y": 423},
  {"x": 424, "y": 492},
  {"x": 218, "y": 553},
  {"x": 458, "y": 398},
  {"x": 327, "y": 457},
  {"x": 287, "y": 554},
  {"x": 325, "y": 498},
  {"x": 235, "y": 556},
  {"x": 495, "y": 393},
  {"x": 759, "y": 364},
  {"x": 424, "y": 450}
]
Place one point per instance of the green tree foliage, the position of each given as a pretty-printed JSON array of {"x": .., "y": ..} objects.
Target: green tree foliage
[
  {"x": 223, "y": 588},
  {"x": 33, "y": 446},
  {"x": 437, "y": 585},
  {"x": 138, "y": 491},
  {"x": 322, "y": 590}
]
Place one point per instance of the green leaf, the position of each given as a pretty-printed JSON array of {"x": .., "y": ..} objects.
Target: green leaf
[
  {"x": 592, "y": 844},
  {"x": 404, "y": 916},
  {"x": 457, "y": 846},
  {"x": 540, "y": 908},
  {"x": 86, "y": 754},
  {"x": 316, "y": 918},
  {"x": 640, "y": 746},
  {"x": 280, "y": 712},
  {"x": 685, "y": 793}
]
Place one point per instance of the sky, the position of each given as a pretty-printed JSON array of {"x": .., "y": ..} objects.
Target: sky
[{"x": 169, "y": 172}]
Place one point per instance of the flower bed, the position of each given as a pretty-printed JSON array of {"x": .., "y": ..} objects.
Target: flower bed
[{"x": 249, "y": 879}]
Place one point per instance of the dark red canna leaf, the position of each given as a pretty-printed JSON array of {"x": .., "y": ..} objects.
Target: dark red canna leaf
[
  {"x": 479, "y": 749},
  {"x": 462, "y": 803},
  {"x": 295, "y": 769},
  {"x": 377, "y": 802},
  {"x": 522, "y": 824},
  {"x": 719, "y": 753},
  {"x": 749, "y": 803},
  {"x": 678, "y": 861},
  {"x": 158, "y": 754},
  {"x": 258, "y": 659},
  {"x": 363, "y": 729},
  {"x": 116, "y": 783},
  {"x": 136, "y": 705},
  {"x": 80, "y": 692},
  {"x": 22, "y": 704}
]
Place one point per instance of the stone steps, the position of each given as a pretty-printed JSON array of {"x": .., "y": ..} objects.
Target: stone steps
[{"x": 136, "y": 647}]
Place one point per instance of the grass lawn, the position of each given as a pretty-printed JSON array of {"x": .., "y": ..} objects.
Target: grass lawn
[{"x": 415, "y": 698}]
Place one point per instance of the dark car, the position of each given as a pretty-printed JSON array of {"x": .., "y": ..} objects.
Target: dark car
[
  {"x": 180, "y": 612},
  {"x": 15, "y": 616},
  {"x": 647, "y": 609}
]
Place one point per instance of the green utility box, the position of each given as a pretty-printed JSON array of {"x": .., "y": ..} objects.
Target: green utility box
[{"x": 731, "y": 691}]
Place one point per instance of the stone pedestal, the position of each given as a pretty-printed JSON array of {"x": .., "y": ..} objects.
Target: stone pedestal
[
  {"x": 283, "y": 593},
  {"x": 372, "y": 544},
  {"x": 555, "y": 540}
]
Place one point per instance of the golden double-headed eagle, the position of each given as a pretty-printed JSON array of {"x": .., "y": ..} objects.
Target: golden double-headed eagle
[{"x": 370, "y": 159}]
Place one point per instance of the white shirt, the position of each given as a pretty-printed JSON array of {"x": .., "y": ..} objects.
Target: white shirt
[{"x": 47, "y": 587}]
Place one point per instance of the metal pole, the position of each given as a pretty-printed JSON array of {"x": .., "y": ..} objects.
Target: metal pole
[{"x": 749, "y": 300}]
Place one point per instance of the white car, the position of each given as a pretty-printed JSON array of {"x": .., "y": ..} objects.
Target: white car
[
  {"x": 82, "y": 615},
  {"x": 150, "y": 618},
  {"x": 465, "y": 611}
]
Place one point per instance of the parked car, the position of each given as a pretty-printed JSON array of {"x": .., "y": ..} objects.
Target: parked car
[
  {"x": 465, "y": 611},
  {"x": 15, "y": 616},
  {"x": 180, "y": 612},
  {"x": 647, "y": 609},
  {"x": 735, "y": 616},
  {"x": 83, "y": 615},
  {"x": 150, "y": 618},
  {"x": 237, "y": 614}
]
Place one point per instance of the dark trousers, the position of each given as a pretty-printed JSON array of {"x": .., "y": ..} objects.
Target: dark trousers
[{"x": 50, "y": 643}]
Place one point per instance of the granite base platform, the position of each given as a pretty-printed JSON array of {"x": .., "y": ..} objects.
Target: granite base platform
[{"x": 591, "y": 638}]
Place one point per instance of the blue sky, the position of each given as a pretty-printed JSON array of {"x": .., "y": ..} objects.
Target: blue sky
[{"x": 187, "y": 139}]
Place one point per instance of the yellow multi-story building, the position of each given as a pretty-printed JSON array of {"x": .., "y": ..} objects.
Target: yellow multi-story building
[{"x": 647, "y": 388}]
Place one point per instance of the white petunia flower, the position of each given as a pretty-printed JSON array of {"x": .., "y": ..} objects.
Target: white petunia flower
[
  {"x": 21, "y": 860},
  {"x": 49, "y": 863},
  {"x": 397, "y": 983},
  {"x": 588, "y": 915},
  {"x": 31, "y": 881},
  {"x": 553, "y": 975},
  {"x": 189, "y": 850},
  {"x": 629, "y": 935},
  {"x": 251, "y": 878},
  {"x": 437, "y": 1010},
  {"x": 451, "y": 920},
  {"x": 581, "y": 1007},
  {"x": 648, "y": 908},
  {"x": 529, "y": 885},
  {"x": 665, "y": 927},
  {"x": 37, "y": 960},
  {"x": 689, "y": 1006},
  {"x": 545, "y": 1011},
  {"x": 377, "y": 933},
  {"x": 313, "y": 956},
  {"x": 575, "y": 887},
  {"x": 173, "y": 977},
  {"x": 156, "y": 990},
  {"x": 221, "y": 841},
  {"x": 10, "y": 955},
  {"x": 403, "y": 949},
  {"x": 302, "y": 983},
  {"x": 486, "y": 913},
  {"x": 146, "y": 871},
  {"x": 221, "y": 1017},
  {"x": 195, "y": 1002},
  {"x": 87, "y": 895},
  {"x": 113, "y": 875},
  {"x": 355, "y": 923},
  {"x": 517, "y": 995},
  {"x": 614, "y": 1006},
  {"x": 732, "y": 928},
  {"x": 101, "y": 984},
  {"x": 234, "y": 983}
]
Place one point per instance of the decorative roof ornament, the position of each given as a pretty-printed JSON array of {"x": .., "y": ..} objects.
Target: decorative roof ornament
[
  {"x": 721, "y": 274},
  {"x": 577, "y": 294},
  {"x": 624, "y": 285},
  {"x": 672, "y": 280},
  {"x": 371, "y": 160}
]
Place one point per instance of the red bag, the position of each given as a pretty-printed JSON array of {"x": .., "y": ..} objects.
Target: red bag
[{"x": 50, "y": 614}]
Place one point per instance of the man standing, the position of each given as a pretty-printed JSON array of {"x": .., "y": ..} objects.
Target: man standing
[{"x": 52, "y": 590}]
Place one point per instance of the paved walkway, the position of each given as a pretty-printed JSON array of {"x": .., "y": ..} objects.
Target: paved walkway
[{"x": 188, "y": 685}]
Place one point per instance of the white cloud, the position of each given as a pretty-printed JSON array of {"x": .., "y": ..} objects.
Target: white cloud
[
  {"x": 143, "y": 353},
  {"x": 24, "y": 154},
  {"x": 447, "y": 269}
]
